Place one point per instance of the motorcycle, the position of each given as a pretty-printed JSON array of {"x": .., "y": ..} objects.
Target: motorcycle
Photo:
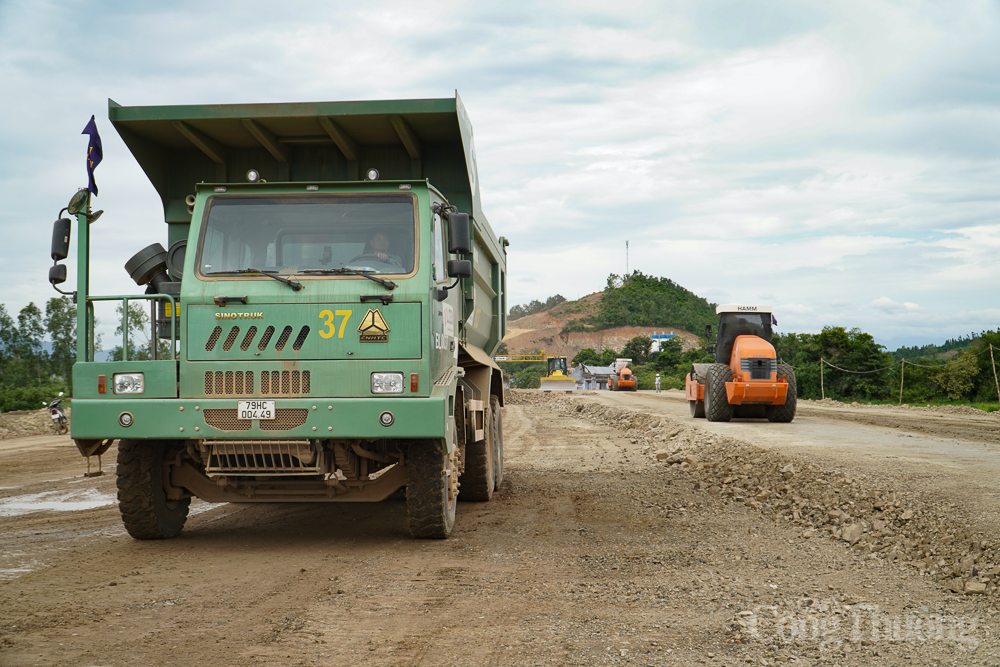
[{"x": 59, "y": 422}]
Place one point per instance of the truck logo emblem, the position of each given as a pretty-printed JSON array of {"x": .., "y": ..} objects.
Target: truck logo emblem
[{"x": 373, "y": 328}]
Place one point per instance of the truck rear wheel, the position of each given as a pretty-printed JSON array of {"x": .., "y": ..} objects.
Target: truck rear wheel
[
  {"x": 497, "y": 423},
  {"x": 479, "y": 477},
  {"x": 717, "y": 406},
  {"x": 145, "y": 510},
  {"x": 697, "y": 409},
  {"x": 431, "y": 490},
  {"x": 784, "y": 413}
]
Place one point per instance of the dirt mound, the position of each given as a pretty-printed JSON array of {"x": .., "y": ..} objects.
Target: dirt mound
[
  {"x": 864, "y": 510},
  {"x": 544, "y": 331},
  {"x": 25, "y": 422}
]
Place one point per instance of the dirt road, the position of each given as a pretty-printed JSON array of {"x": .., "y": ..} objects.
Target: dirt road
[{"x": 593, "y": 552}]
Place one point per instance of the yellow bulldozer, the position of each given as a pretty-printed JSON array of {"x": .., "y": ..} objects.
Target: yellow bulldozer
[{"x": 557, "y": 377}]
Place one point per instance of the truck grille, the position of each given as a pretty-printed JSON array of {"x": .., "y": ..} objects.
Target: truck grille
[
  {"x": 225, "y": 419},
  {"x": 272, "y": 383},
  {"x": 234, "y": 333},
  {"x": 262, "y": 457},
  {"x": 759, "y": 368}
]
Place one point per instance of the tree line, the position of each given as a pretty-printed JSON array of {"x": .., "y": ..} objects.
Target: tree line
[
  {"x": 928, "y": 351},
  {"x": 536, "y": 306},
  {"x": 30, "y": 374},
  {"x": 965, "y": 378}
]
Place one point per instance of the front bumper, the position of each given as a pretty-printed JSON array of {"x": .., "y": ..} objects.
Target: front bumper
[
  {"x": 756, "y": 393},
  {"x": 323, "y": 418}
]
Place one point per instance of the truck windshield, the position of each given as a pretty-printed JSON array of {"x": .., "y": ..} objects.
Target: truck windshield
[{"x": 302, "y": 235}]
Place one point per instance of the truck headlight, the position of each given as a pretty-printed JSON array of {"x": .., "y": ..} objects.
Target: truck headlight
[
  {"x": 127, "y": 383},
  {"x": 387, "y": 383}
]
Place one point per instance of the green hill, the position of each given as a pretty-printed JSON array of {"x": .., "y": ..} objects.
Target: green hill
[{"x": 641, "y": 300}]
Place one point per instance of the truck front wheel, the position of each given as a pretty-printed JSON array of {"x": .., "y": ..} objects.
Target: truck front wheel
[
  {"x": 145, "y": 509},
  {"x": 431, "y": 490}
]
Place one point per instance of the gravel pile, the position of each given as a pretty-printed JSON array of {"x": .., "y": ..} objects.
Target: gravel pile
[
  {"x": 866, "y": 513},
  {"x": 25, "y": 422}
]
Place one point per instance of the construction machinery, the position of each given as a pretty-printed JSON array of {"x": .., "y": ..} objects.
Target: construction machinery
[
  {"x": 337, "y": 309},
  {"x": 623, "y": 378},
  {"x": 557, "y": 377},
  {"x": 746, "y": 379}
]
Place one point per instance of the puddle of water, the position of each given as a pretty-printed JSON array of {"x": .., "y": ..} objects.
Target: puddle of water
[
  {"x": 6, "y": 574},
  {"x": 55, "y": 501}
]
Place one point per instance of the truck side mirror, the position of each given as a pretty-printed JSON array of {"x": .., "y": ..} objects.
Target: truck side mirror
[
  {"x": 459, "y": 242},
  {"x": 459, "y": 268},
  {"x": 60, "y": 238},
  {"x": 57, "y": 274},
  {"x": 708, "y": 331}
]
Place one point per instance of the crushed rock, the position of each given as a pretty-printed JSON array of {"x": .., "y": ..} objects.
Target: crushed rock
[{"x": 932, "y": 535}]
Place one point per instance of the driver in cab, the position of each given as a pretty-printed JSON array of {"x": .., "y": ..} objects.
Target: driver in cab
[{"x": 379, "y": 245}]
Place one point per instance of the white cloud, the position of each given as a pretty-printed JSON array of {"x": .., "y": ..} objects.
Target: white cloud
[
  {"x": 887, "y": 305},
  {"x": 837, "y": 154}
]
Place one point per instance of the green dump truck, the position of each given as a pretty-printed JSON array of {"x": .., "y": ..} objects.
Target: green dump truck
[{"x": 329, "y": 299}]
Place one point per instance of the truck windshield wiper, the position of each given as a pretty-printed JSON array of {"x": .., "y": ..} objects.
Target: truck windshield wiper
[
  {"x": 388, "y": 284},
  {"x": 268, "y": 274}
]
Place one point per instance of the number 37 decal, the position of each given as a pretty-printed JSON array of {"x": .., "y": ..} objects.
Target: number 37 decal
[{"x": 330, "y": 326}]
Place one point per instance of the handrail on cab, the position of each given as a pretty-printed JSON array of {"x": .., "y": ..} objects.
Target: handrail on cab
[{"x": 152, "y": 321}]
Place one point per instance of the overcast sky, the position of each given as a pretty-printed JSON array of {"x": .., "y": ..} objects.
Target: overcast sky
[{"x": 838, "y": 161}]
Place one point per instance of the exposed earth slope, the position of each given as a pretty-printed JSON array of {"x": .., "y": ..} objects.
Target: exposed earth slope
[{"x": 544, "y": 331}]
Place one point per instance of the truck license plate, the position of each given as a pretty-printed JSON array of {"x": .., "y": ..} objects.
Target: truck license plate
[{"x": 255, "y": 410}]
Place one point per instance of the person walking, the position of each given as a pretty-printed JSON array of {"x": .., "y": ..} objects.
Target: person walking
[{"x": 657, "y": 383}]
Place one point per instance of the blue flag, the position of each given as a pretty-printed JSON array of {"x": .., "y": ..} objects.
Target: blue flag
[
  {"x": 95, "y": 153},
  {"x": 774, "y": 320}
]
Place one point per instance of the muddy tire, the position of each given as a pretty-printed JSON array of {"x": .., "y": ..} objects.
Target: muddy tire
[
  {"x": 479, "y": 478},
  {"x": 497, "y": 424},
  {"x": 431, "y": 490},
  {"x": 784, "y": 413},
  {"x": 717, "y": 406},
  {"x": 697, "y": 409},
  {"x": 145, "y": 509}
]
